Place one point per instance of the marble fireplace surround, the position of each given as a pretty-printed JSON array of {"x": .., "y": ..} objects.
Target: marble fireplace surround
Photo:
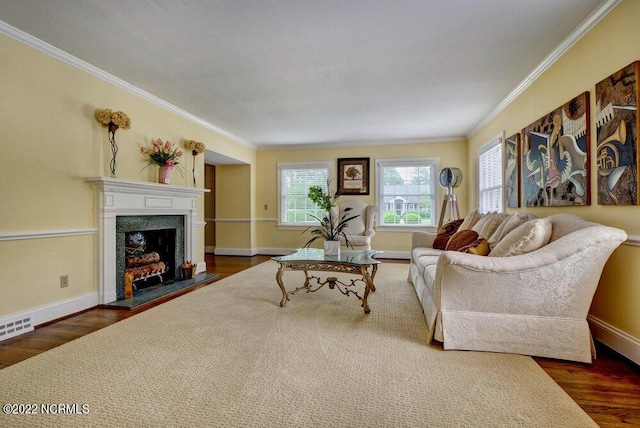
[{"x": 119, "y": 197}]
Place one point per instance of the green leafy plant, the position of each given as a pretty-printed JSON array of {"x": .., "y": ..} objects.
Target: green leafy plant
[
  {"x": 331, "y": 226},
  {"x": 411, "y": 217},
  {"x": 391, "y": 218}
]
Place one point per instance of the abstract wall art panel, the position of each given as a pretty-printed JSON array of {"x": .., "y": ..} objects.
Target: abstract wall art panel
[
  {"x": 617, "y": 134},
  {"x": 512, "y": 171},
  {"x": 555, "y": 157}
]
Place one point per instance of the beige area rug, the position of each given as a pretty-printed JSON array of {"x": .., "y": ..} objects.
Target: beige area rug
[{"x": 229, "y": 355}]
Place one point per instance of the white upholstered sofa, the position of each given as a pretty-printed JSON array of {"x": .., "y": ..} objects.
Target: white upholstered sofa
[{"x": 535, "y": 303}]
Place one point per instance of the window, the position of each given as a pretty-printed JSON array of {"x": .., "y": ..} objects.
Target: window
[
  {"x": 406, "y": 191},
  {"x": 490, "y": 176},
  {"x": 294, "y": 180}
]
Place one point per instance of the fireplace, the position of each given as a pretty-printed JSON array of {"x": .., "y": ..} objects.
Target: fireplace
[{"x": 127, "y": 206}]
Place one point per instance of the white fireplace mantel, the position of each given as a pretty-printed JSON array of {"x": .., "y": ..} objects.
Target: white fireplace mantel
[{"x": 118, "y": 197}]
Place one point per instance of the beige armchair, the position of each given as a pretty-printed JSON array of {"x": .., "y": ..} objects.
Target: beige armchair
[{"x": 360, "y": 230}]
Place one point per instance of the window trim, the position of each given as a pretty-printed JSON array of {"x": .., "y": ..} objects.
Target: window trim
[
  {"x": 498, "y": 140},
  {"x": 282, "y": 225},
  {"x": 419, "y": 161}
]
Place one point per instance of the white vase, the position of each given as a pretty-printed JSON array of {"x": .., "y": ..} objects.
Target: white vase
[{"x": 331, "y": 248}]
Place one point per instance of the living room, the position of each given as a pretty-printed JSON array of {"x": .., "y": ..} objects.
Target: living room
[{"x": 50, "y": 216}]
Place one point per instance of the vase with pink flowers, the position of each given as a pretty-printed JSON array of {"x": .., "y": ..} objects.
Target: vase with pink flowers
[{"x": 164, "y": 154}]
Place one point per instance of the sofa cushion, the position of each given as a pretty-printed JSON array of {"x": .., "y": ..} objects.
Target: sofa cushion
[
  {"x": 445, "y": 232},
  {"x": 358, "y": 240},
  {"x": 479, "y": 247},
  {"x": 424, "y": 262},
  {"x": 470, "y": 220},
  {"x": 424, "y": 251},
  {"x": 523, "y": 239},
  {"x": 460, "y": 239}
]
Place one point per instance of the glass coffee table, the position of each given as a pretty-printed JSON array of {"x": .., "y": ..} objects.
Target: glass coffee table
[{"x": 360, "y": 263}]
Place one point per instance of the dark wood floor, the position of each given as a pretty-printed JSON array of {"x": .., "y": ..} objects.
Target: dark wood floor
[{"x": 608, "y": 390}]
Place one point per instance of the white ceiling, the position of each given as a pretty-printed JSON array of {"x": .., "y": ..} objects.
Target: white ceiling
[{"x": 277, "y": 72}]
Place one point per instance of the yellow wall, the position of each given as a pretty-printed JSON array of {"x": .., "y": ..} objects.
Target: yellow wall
[
  {"x": 234, "y": 207},
  {"x": 50, "y": 142},
  {"x": 608, "y": 47},
  {"x": 450, "y": 154}
]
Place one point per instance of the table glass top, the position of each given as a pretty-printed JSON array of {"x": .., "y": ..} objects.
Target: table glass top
[{"x": 357, "y": 257}]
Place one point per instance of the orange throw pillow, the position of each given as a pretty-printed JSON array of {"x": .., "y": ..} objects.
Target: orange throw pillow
[
  {"x": 479, "y": 247},
  {"x": 460, "y": 239},
  {"x": 445, "y": 232}
]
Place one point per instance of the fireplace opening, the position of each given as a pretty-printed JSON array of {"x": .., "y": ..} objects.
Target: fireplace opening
[
  {"x": 149, "y": 250},
  {"x": 149, "y": 257}
]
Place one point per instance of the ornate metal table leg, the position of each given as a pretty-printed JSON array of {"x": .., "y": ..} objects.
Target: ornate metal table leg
[
  {"x": 368, "y": 286},
  {"x": 374, "y": 269},
  {"x": 283, "y": 302},
  {"x": 306, "y": 279}
]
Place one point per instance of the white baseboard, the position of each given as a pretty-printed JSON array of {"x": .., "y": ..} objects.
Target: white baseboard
[
  {"x": 201, "y": 267},
  {"x": 248, "y": 252},
  {"x": 52, "y": 311},
  {"x": 45, "y": 313},
  {"x": 403, "y": 255},
  {"x": 275, "y": 251},
  {"x": 211, "y": 249},
  {"x": 234, "y": 252},
  {"x": 615, "y": 339}
]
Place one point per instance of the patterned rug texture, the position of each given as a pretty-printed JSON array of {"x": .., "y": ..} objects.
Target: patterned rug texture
[{"x": 228, "y": 355}]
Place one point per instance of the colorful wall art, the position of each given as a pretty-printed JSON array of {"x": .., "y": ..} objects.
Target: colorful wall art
[
  {"x": 512, "y": 171},
  {"x": 617, "y": 134},
  {"x": 555, "y": 157}
]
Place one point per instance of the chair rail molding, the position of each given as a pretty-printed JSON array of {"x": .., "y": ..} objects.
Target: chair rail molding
[{"x": 40, "y": 234}]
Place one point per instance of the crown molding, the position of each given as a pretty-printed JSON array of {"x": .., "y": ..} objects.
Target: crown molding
[
  {"x": 361, "y": 143},
  {"x": 65, "y": 57},
  {"x": 586, "y": 26}
]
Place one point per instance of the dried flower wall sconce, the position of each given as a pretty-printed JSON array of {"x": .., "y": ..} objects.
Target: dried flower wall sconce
[
  {"x": 112, "y": 121},
  {"x": 196, "y": 148}
]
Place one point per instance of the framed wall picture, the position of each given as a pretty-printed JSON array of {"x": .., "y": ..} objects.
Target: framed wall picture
[
  {"x": 617, "y": 135},
  {"x": 512, "y": 171},
  {"x": 555, "y": 157},
  {"x": 353, "y": 176}
]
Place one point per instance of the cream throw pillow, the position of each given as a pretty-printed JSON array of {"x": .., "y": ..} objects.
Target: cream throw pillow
[
  {"x": 477, "y": 226},
  {"x": 470, "y": 220},
  {"x": 508, "y": 224},
  {"x": 523, "y": 239},
  {"x": 486, "y": 228}
]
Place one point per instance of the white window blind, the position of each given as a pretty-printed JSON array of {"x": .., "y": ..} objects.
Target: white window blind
[
  {"x": 406, "y": 191},
  {"x": 294, "y": 182},
  {"x": 490, "y": 177}
]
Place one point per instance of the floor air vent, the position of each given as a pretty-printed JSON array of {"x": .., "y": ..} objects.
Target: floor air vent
[{"x": 15, "y": 326}]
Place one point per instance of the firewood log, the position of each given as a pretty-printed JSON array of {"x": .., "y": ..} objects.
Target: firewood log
[
  {"x": 143, "y": 259},
  {"x": 143, "y": 271}
]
